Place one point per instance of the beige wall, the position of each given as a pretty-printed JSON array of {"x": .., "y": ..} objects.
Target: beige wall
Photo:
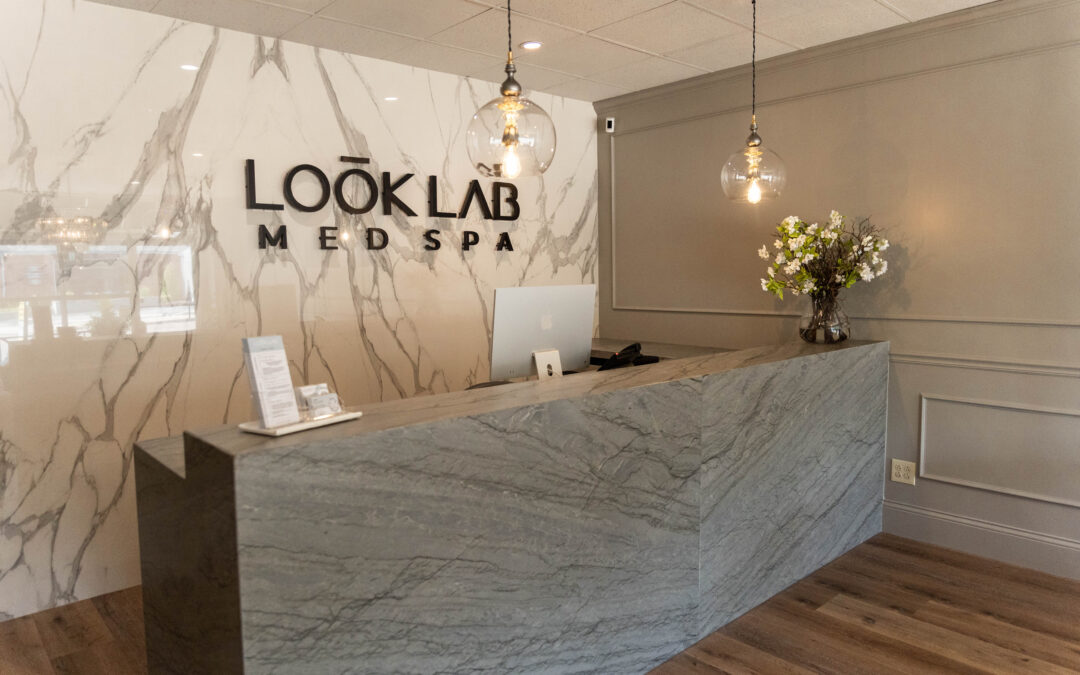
[{"x": 960, "y": 136}]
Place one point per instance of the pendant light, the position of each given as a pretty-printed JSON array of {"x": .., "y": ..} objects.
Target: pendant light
[
  {"x": 753, "y": 173},
  {"x": 510, "y": 136}
]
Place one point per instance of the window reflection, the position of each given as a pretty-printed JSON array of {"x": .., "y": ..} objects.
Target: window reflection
[{"x": 97, "y": 291}]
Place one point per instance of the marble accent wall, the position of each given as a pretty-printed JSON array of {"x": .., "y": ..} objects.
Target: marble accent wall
[{"x": 130, "y": 269}]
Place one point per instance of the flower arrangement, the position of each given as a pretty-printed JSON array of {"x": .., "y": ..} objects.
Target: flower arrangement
[{"x": 820, "y": 261}]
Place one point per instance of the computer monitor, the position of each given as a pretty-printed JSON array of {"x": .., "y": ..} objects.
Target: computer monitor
[{"x": 533, "y": 318}]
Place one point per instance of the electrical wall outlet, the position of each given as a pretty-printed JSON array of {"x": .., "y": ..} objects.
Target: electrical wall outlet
[{"x": 903, "y": 472}]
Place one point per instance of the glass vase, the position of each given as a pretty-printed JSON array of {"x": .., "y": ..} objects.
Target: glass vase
[{"x": 826, "y": 323}]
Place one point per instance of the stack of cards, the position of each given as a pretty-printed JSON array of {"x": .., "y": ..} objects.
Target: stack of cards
[{"x": 317, "y": 401}]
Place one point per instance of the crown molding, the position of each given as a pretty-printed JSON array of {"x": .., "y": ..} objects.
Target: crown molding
[{"x": 994, "y": 12}]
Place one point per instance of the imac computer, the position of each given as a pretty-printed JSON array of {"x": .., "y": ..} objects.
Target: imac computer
[{"x": 532, "y": 319}]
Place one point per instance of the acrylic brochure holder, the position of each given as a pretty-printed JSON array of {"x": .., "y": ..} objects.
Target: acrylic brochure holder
[
  {"x": 280, "y": 408},
  {"x": 257, "y": 427}
]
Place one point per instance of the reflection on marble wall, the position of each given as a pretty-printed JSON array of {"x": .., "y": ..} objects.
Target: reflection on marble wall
[{"x": 130, "y": 269}]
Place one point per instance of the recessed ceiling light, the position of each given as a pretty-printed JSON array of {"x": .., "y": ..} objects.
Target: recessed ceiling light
[
  {"x": 390, "y": 98},
  {"x": 532, "y": 44},
  {"x": 134, "y": 182},
  {"x": 196, "y": 154},
  {"x": 188, "y": 66}
]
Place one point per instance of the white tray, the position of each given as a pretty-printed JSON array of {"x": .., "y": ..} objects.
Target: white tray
[{"x": 257, "y": 428}]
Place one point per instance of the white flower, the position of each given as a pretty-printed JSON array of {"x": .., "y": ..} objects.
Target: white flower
[
  {"x": 764, "y": 285},
  {"x": 812, "y": 229},
  {"x": 778, "y": 244},
  {"x": 883, "y": 244},
  {"x": 790, "y": 222},
  {"x": 771, "y": 272},
  {"x": 792, "y": 267},
  {"x": 779, "y": 258},
  {"x": 795, "y": 291},
  {"x": 882, "y": 267},
  {"x": 839, "y": 278},
  {"x": 867, "y": 241},
  {"x": 808, "y": 287},
  {"x": 875, "y": 258},
  {"x": 763, "y": 253},
  {"x": 797, "y": 242},
  {"x": 835, "y": 219},
  {"x": 865, "y": 273}
]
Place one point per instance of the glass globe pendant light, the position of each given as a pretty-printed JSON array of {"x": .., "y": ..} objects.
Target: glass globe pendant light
[
  {"x": 510, "y": 136},
  {"x": 753, "y": 173}
]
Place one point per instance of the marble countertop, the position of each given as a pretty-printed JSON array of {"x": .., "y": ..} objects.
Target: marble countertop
[{"x": 688, "y": 362}]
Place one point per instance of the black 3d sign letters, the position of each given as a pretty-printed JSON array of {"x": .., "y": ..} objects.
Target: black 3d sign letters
[{"x": 356, "y": 191}]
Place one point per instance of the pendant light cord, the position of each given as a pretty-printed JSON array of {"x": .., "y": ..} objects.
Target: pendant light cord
[
  {"x": 509, "y": 40},
  {"x": 753, "y": 59}
]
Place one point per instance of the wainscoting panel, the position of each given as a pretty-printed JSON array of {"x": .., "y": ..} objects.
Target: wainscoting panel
[{"x": 1007, "y": 447}]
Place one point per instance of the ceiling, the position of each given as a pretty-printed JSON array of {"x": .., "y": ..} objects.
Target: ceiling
[{"x": 592, "y": 49}]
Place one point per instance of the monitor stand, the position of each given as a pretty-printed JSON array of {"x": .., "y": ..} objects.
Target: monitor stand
[{"x": 548, "y": 364}]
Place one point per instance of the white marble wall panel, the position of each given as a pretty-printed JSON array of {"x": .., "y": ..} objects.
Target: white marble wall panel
[{"x": 127, "y": 324}]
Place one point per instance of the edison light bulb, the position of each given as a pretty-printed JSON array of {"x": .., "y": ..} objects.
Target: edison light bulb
[
  {"x": 510, "y": 136},
  {"x": 511, "y": 163},
  {"x": 753, "y": 193},
  {"x": 753, "y": 173}
]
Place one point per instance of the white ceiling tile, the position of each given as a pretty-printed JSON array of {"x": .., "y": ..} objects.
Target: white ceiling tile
[
  {"x": 582, "y": 55},
  {"x": 668, "y": 28},
  {"x": 346, "y": 37},
  {"x": 808, "y": 23},
  {"x": 420, "y": 18},
  {"x": 141, "y": 5},
  {"x": 731, "y": 51},
  {"x": 446, "y": 59},
  {"x": 921, "y": 9},
  {"x": 584, "y": 15},
  {"x": 531, "y": 77},
  {"x": 309, "y": 6},
  {"x": 252, "y": 17},
  {"x": 586, "y": 90},
  {"x": 486, "y": 33},
  {"x": 649, "y": 73}
]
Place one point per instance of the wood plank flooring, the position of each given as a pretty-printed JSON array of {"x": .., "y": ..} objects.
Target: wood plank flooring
[
  {"x": 894, "y": 605},
  {"x": 891, "y": 605}
]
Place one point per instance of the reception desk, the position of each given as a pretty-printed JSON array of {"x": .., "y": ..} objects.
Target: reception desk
[{"x": 598, "y": 523}]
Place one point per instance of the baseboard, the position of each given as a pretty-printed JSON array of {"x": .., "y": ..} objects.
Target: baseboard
[{"x": 1014, "y": 545}]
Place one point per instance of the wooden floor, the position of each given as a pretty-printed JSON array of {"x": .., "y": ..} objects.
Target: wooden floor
[
  {"x": 894, "y": 605},
  {"x": 890, "y": 606}
]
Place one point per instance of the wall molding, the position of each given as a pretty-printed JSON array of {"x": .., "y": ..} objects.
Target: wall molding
[
  {"x": 985, "y": 525},
  {"x": 999, "y": 405},
  {"x": 993, "y": 365},
  {"x": 615, "y": 306},
  {"x": 976, "y": 16}
]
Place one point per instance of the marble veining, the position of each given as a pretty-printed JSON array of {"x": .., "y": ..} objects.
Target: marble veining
[
  {"x": 131, "y": 268},
  {"x": 791, "y": 475},
  {"x": 508, "y": 542}
]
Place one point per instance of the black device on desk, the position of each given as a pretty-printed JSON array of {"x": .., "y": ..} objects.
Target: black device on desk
[{"x": 627, "y": 356}]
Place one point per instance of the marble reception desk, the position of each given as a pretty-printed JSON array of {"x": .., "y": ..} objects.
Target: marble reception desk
[{"x": 600, "y": 523}]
